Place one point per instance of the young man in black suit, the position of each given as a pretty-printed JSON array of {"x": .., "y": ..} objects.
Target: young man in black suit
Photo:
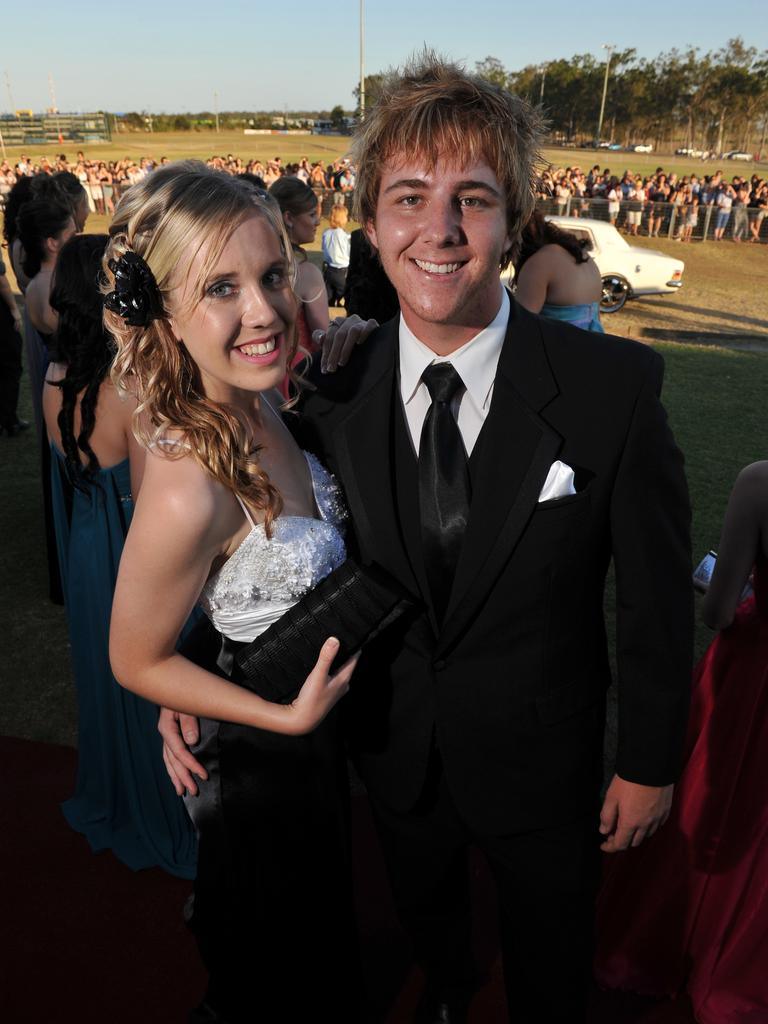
[{"x": 494, "y": 462}]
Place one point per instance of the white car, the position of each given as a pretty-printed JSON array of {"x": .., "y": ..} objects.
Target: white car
[
  {"x": 737, "y": 154},
  {"x": 644, "y": 147},
  {"x": 627, "y": 270}
]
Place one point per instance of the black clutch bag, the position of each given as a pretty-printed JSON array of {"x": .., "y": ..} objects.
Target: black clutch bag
[{"x": 353, "y": 603}]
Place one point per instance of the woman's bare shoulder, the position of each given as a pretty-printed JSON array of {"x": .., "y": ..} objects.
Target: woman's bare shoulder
[
  {"x": 308, "y": 280},
  {"x": 56, "y": 372},
  {"x": 752, "y": 484},
  {"x": 181, "y": 490},
  {"x": 36, "y": 290}
]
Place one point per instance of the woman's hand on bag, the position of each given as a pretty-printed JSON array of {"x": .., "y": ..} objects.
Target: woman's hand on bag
[
  {"x": 320, "y": 691},
  {"x": 340, "y": 339}
]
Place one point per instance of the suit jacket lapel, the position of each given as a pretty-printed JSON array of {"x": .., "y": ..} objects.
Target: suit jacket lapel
[
  {"x": 509, "y": 465},
  {"x": 363, "y": 442}
]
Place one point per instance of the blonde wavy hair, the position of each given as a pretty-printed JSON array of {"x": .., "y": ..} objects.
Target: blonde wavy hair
[
  {"x": 432, "y": 109},
  {"x": 167, "y": 218}
]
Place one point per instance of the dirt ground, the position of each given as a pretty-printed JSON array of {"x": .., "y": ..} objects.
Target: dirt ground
[{"x": 723, "y": 301}]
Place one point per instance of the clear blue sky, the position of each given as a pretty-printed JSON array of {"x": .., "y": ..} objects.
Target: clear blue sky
[{"x": 169, "y": 55}]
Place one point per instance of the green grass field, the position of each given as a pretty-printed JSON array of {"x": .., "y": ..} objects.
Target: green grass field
[
  {"x": 198, "y": 146},
  {"x": 646, "y": 163}
]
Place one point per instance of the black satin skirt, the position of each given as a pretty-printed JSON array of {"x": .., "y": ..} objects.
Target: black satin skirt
[{"x": 273, "y": 911}]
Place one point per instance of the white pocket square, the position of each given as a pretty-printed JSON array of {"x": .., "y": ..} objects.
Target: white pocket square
[{"x": 559, "y": 482}]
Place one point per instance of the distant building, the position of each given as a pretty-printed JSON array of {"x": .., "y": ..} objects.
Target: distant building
[
  {"x": 331, "y": 128},
  {"x": 27, "y": 129}
]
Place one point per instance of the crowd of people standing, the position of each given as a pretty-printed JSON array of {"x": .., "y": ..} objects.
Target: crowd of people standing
[
  {"x": 636, "y": 203},
  {"x": 645, "y": 204},
  {"x": 105, "y": 181}
]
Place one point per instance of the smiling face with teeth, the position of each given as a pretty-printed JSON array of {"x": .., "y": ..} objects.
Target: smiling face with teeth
[
  {"x": 238, "y": 333},
  {"x": 441, "y": 234}
]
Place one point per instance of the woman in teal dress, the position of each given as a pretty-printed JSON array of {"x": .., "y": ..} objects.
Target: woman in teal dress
[
  {"x": 123, "y": 799},
  {"x": 556, "y": 277}
]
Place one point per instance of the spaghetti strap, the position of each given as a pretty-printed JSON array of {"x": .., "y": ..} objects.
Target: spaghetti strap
[
  {"x": 170, "y": 442},
  {"x": 247, "y": 512},
  {"x": 314, "y": 298}
]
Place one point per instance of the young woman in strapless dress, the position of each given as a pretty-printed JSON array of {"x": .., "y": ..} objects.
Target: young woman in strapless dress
[
  {"x": 299, "y": 207},
  {"x": 233, "y": 515},
  {"x": 556, "y": 277},
  {"x": 123, "y": 800},
  {"x": 687, "y": 911}
]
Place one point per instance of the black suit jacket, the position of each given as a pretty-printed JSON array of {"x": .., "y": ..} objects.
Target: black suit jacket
[{"x": 512, "y": 685}]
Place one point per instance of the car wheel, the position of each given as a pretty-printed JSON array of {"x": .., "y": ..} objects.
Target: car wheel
[{"x": 615, "y": 293}]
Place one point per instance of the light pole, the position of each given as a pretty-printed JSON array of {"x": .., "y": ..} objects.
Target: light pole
[
  {"x": 216, "y": 110},
  {"x": 55, "y": 109},
  {"x": 610, "y": 48},
  {"x": 10, "y": 94},
  {"x": 362, "y": 59},
  {"x": 543, "y": 70}
]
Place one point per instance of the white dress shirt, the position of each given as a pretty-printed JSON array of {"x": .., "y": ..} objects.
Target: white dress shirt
[
  {"x": 336, "y": 246},
  {"x": 475, "y": 363}
]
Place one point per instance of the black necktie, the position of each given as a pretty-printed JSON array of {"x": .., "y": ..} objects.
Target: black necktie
[{"x": 444, "y": 488}]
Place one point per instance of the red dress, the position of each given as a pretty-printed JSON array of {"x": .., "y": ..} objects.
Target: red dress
[
  {"x": 305, "y": 345},
  {"x": 688, "y": 910}
]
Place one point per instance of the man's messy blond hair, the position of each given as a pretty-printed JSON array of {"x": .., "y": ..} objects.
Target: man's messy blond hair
[{"x": 433, "y": 109}]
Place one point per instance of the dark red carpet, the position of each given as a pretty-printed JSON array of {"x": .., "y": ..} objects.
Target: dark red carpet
[{"x": 88, "y": 941}]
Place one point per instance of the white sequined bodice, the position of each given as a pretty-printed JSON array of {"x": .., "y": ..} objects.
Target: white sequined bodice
[{"x": 265, "y": 576}]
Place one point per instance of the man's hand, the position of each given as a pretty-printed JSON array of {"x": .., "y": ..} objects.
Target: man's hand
[
  {"x": 177, "y": 731},
  {"x": 340, "y": 339},
  {"x": 632, "y": 813}
]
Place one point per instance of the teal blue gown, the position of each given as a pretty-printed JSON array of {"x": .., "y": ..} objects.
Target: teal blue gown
[
  {"x": 124, "y": 800},
  {"x": 586, "y": 316}
]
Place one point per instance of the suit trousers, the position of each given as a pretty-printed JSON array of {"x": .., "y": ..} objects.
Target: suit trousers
[
  {"x": 546, "y": 882},
  {"x": 335, "y": 282}
]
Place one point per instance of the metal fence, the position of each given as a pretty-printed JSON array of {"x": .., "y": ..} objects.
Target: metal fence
[{"x": 667, "y": 220}]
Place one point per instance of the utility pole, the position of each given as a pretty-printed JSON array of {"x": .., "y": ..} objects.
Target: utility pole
[
  {"x": 54, "y": 108},
  {"x": 362, "y": 59},
  {"x": 216, "y": 109},
  {"x": 543, "y": 70},
  {"x": 762, "y": 138},
  {"x": 610, "y": 48},
  {"x": 12, "y": 105}
]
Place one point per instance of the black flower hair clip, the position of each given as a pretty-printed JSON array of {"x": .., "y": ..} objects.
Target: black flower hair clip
[{"x": 136, "y": 297}]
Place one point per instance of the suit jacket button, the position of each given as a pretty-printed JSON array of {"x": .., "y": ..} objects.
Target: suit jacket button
[{"x": 439, "y": 665}]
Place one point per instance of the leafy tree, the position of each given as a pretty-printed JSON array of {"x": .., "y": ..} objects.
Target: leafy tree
[
  {"x": 133, "y": 121},
  {"x": 337, "y": 118},
  {"x": 373, "y": 84},
  {"x": 716, "y": 100},
  {"x": 492, "y": 70}
]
